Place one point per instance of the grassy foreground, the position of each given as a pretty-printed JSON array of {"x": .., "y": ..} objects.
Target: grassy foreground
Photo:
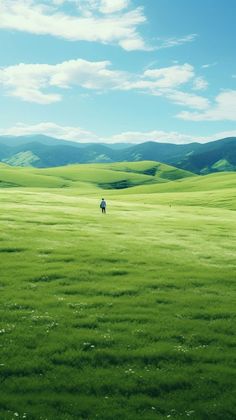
[{"x": 131, "y": 314}]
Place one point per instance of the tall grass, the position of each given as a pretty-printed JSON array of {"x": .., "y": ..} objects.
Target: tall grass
[{"x": 126, "y": 314}]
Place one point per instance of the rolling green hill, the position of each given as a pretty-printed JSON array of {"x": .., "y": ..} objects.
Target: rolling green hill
[
  {"x": 107, "y": 176},
  {"x": 134, "y": 180},
  {"x": 27, "y": 177}
]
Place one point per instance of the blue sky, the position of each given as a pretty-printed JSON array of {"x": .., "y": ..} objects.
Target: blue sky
[{"x": 118, "y": 70}]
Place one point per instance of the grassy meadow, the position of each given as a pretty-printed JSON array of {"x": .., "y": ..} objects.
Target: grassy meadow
[{"x": 129, "y": 314}]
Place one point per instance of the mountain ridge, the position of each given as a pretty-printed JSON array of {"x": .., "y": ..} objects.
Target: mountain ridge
[{"x": 44, "y": 151}]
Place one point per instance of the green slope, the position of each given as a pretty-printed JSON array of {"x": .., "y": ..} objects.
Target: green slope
[
  {"x": 22, "y": 159},
  {"x": 214, "y": 190},
  {"x": 147, "y": 181},
  {"x": 105, "y": 176},
  {"x": 223, "y": 165},
  {"x": 209, "y": 182},
  {"x": 158, "y": 170},
  {"x": 25, "y": 177}
]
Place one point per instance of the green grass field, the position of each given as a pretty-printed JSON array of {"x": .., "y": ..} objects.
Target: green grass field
[{"x": 129, "y": 314}]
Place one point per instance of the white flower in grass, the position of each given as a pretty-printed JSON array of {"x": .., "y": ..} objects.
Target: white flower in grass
[{"x": 190, "y": 412}]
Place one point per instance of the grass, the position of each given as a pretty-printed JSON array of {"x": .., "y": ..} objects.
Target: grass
[
  {"x": 116, "y": 175},
  {"x": 129, "y": 314}
]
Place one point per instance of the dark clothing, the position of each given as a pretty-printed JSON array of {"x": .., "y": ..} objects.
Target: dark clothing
[{"x": 103, "y": 206}]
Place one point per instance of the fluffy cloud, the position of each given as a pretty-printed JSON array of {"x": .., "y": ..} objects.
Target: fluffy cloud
[
  {"x": 34, "y": 82},
  {"x": 224, "y": 108},
  {"x": 186, "y": 99},
  {"x": 108, "y": 6},
  {"x": 157, "y": 81},
  {"x": 167, "y": 137},
  {"x": 200, "y": 83},
  {"x": 27, "y": 81},
  {"x": 51, "y": 129},
  {"x": 79, "y": 134},
  {"x": 112, "y": 25},
  {"x": 170, "y": 77},
  {"x": 155, "y": 135},
  {"x": 104, "y": 21},
  {"x": 101, "y": 6}
]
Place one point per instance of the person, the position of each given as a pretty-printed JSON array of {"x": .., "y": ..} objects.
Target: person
[{"x": 103, "y": 205}]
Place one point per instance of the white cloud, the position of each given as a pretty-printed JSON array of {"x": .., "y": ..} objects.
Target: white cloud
[
  {"x": 224, "y": 108},
  {"x": 37, "y": 82},
  {"x": 189, "y": 100},
  {"x": 155, "y": 135},
  {"x": 27, "y": 81},
  {"x": 51, "y": 129},
  {"x": 78, "y": 134},
  {"x": 111, "y": 6},
  {"x": 104, "y": 21},
  {"x": 40, "y": 18},
  {"x": 135, "y": 43},
  {"x": 164, "y": 82},
  {"x": 175, "y": 41},
  {"x": 200, "y": 83},
  {"x": 170, "y": 77},
  {"x": 99, "y": 6},
  {"x": 167, "y": 137},
  {"x": 206, "y": 66}
]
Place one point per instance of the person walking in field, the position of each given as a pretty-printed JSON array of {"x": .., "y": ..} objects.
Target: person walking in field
[{"x": 103, "y": 205}]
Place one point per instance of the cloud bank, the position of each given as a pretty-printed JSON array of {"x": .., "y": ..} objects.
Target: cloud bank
[
  {"x": 114, "y": 22},
  {"x": 223, "y": 109},
  {"x": 103, "y": 21},
  {"x": 78, "y": 134},
  {"x": 45, "y": 84}
]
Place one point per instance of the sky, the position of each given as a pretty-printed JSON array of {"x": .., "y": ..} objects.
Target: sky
[{"x": 118, "y": 71}]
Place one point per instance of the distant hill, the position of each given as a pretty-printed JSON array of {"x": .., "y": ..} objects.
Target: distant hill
[
  {"x": 43, "y": 151},
  {"x": 15, "y": 141},
  {"x": 215, "y": 156},
  {"x": 114, "y": 176},
  {"x": 52, "y": 141}
]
